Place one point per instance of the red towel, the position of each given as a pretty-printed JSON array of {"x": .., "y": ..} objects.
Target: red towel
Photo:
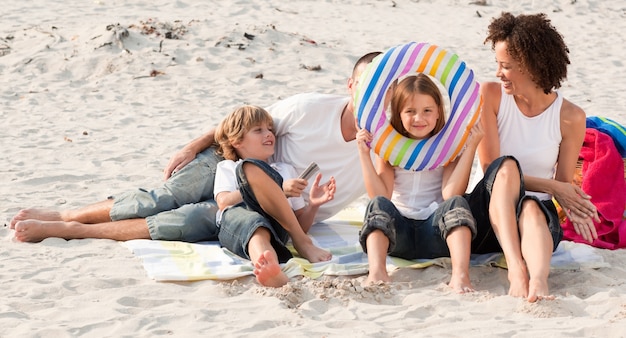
[{"x": 603, "y": 179}]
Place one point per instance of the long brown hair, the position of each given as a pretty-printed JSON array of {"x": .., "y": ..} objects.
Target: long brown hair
[{"x": 409, "y": 86}]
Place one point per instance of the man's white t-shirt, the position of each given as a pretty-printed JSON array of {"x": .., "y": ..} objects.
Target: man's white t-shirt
[{"x": 308, "y": 129}]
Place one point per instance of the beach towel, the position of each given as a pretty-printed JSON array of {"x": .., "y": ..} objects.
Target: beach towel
[
  {"x": 603, "y": 179},
  {"x": 179, "y": 261},
  {"x": 616, "y": 131}
]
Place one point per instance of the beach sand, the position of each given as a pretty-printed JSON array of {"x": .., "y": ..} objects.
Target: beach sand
[{"x": 88, "y": 112}]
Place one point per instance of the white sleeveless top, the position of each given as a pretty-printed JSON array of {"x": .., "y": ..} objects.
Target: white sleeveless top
[
  {"x": 417, "y": 194},
  {"x": 534, "y": 141}
]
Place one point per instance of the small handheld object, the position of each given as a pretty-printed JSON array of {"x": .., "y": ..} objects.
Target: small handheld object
[{"x": 309, "y": 171}]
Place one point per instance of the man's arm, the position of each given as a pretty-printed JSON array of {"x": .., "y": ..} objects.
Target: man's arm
[{"x": 188, "y": 153}]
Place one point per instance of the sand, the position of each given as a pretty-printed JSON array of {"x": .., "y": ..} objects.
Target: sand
[{"x": 97, "y": 95}]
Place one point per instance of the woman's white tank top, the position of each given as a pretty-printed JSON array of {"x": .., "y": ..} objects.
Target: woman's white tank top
[{"x": 534, "y": 141}]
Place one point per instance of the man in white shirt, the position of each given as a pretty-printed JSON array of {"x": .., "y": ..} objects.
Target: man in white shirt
[{"x": 310, "y": 127}]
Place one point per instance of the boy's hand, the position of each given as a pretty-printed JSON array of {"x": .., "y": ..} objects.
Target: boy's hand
[
  {"x": 321, "y": 194},
  {"x": 293, "y": 187}
]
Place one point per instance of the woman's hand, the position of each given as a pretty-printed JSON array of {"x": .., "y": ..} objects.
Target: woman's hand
[
  {"x": 575, "y": 201},
  {"x": 293, "y": 187},
  {"x": 177, "y": 162},
  {"x": 583, "y": 226}
]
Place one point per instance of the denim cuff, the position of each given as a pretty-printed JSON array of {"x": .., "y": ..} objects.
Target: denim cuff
[{"x": 378, "y": 220}]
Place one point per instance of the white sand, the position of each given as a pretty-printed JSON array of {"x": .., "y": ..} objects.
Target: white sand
[{"x": 83, "y": 119}]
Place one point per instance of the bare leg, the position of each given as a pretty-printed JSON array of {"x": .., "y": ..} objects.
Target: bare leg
[
  {"x": 36, "y": 231},
  {"x": 459, "y": 242},
  {"x": 504, "y": 199},
  {"x": 94, "y": 213},
  {"x": 377, "y": 245},
  {"x": 272, "y": 199},
  {"x": 266, "y": 267},
  {"x": 536, "y": 250}
]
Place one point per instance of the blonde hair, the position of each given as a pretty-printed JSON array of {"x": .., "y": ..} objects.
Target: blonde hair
[
  {"x": 409, "y": 86},
  {"x": 235, "y": 125}
]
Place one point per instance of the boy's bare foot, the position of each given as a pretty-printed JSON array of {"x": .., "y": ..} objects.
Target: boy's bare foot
[
  {"x": 33, "y": 230},
  {"x": 460, "y": 283},
  {"x": 312, "y": 253},
  {"x": 37, "y": 214},
  {"x": 267, "y": 270},
  {"x": 538, "y": 290}
]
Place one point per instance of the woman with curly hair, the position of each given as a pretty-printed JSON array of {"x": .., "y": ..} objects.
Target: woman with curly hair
[{"x": 532, "y": 140}]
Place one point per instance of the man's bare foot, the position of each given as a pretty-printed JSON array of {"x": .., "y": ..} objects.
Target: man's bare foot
[
  {"x": 37, "y": 214},
  {"x": 33, "y": 230},
  {"x": 374, "y": 277},
  {"x": 460, "y": 283},
  {"x": 267, "y": 270},
  {"x": 519, "y": 282},
  {"x": 312, "y": 253},
  {"x": 538, "y": 290}
]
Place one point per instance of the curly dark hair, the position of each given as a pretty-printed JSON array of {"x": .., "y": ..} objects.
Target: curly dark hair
[{"x": 535, "y": 44}]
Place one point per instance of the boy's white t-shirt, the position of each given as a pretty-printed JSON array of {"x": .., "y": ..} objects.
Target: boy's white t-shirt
[
  {"x": 226, "y": 181},
  {"x": 308, "y": 129}
]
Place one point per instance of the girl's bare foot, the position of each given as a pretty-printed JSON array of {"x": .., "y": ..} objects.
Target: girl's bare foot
[
  {"x": 460, "y": 283},
  {"x": 538, "y": 290},
  {"x": 374, "y": 277},
  {"x": 267, "y": 270},
  {"x": 36, "y": 214}
]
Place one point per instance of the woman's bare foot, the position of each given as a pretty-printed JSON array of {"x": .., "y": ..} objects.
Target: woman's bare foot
[
  {"x": 518, "y": 278},
  {"x": 460, "y": 283},
  {"x": 33, "y": 230},
  {"x": 267, "y": 270},
  {"x": 312, "y": 253},
  {"x": 36, "y": 214},
  {"x": 538, "y": 290}
]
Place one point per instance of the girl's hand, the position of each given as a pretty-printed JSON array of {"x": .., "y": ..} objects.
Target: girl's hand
[
  {"x": 293, "y": 187},
  {"x": 363, "y": 139},
  {"x": 476, "y": 135},
  {"x": 321, "y": 194}
]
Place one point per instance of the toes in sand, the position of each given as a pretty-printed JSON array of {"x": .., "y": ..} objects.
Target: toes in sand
[{"x": 268, "y": 272}]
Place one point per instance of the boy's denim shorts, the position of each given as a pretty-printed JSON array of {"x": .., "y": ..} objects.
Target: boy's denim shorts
[{"x": 239, "y": 222}]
